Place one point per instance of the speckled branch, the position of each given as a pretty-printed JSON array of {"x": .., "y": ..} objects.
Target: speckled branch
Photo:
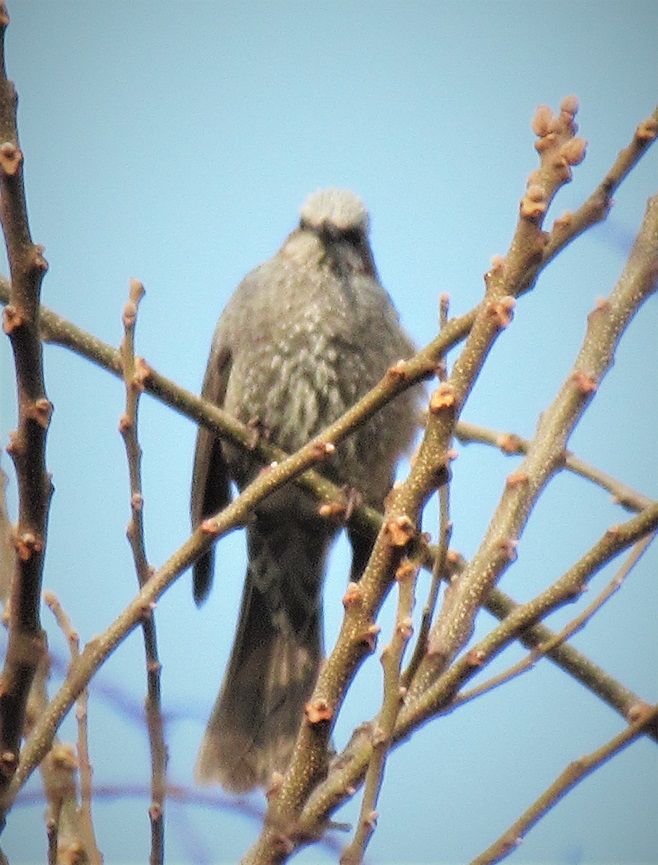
[
  {"x": 349, "y": 767},
  {"x": 98, "y": 650},
  {"x": 59, "y": 331},
  {"x": 383, "y": 727},
  {"x": 545, "y": 455},
  {"x": 571, "y": 628},
  {"x": 558, "y": 148},
  {"x": 27, "y": 265},
  {"x": 77, "y": 838}
]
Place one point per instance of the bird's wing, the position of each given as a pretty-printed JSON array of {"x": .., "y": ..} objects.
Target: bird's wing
[{"x": 210, "y": 476}]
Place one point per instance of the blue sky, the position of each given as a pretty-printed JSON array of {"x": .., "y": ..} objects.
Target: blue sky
[{"x": 174, "y": 143}]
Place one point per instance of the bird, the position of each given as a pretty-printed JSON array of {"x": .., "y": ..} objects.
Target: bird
[{"x": 303, "y": 337}]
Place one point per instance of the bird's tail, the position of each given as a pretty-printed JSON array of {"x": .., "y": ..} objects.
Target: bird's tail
[{"x": 274, "y": 661}]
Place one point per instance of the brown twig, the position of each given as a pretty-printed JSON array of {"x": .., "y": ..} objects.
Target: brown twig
[
  {"x": 59, "y": 331},
  {"x": 82, "y": 837},
  {"x": 97, "y": 651},
  {"x": 504, "y": 282},
  {"x": 583, "y": 669},
  {"x": 534, "y": 202},
  {"x": 349, "y": 767},
  {"x": 381, "y": 731},
  {"x": 128, "y": 426},
  {"x": 440, "y": 569},
  {"x": 7, "y": 553},
  {"x": 511, "y": 443},
  {"x": 26, "y": 644},
  {"x": 572, "y": 627},
  {"x": 567, "y": 780},
  {"x": 606, "y": 325},
  {"x": 571, "y": 225},
  {"x": 278, "y": 840}
]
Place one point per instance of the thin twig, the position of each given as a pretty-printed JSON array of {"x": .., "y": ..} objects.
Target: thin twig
[
  {"x": 59, "y": 331},
  {"x": 381, "y": 731},
  {"x": 572, "y": 627},
  {"x": 349, "y": 767},
  {"x": 571, "y": 225},
  {"x": 97, "y": 651},
  {"x": 511, "y": 443},
  {"x": 606, "y": 325},
  {"x": 128, "y": 426},
  {"x": 439, "y": 566},
  {"x": 567, "y": 780},
  {"x": 26, "y": 644},
  {"x": 83, "y": 837},
  {"x": 504, "y": 282}
]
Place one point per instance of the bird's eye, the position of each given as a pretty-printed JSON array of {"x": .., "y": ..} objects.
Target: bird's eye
[{"x": 351, "y": 235}]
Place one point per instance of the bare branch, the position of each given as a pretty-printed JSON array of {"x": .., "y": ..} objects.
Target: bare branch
[
  {"x": 504, "y": 282},
  {"x": 563, "y": 635},
  {"x": 80, "y": 824},
  {"x": 381, "y": 731},
  {"x": 605, "y": 327},
  {"x": 128, "y": 425},
  {"x": 62, "y": 332},
  {"x": 572, "y": 775},
  {"x": 27, "y": 265},
  {"x": 349, "y": 767},
  {"x": 510, "y": 443}
]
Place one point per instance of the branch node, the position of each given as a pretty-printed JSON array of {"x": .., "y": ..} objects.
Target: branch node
[
  {"x": 442, "y": 398},
  {"x": 353, "y": 595},
  {"x": 574, "y": 150},
  {"x": 146, "y": 610},
  {"x": 498, "y": 264},
  {"x": 476, "y": 658},
  {"x": 11, "y": 158},
  {"x": 399, "y": 530},
  {"x": 398, "y": 371},
  {"x": 27, "y": 544},
  {"x": 210, "y": 527},
  {"x": 602, "y": 305},
  {"x": 41, "y": 411},
  {"x": 276, "y": 782},
  {"x": 38, "y": 259},
  {"x": 282, "y": 845},
  {"x": 510, "y": 443},
  {"x": 16, "y": 445},
  {"x": 129, "y": 315},
  {"x": 332, "y": 510},
  {"x": 143, "y": 373},
  {"x": 369, "y": 637},
  {"x": 405, "y": 628},
  {"x": 322, "y": 450},
  {"x": 647, "y": 130},
  {"x": 637, "y": 711},
  {"x": 585, "y": 383},
  {"x": 509, "y": 547},
  {"x": 318, "y": 711},
  {"x": 517, "y": 479},
  {"x": 534, "y": 203},
  {"x": 569, "y": 106},
  {"x": 406, "y": 570},
  {"x": 502, "y": 311},
  {"x": 11, "y": 319}
]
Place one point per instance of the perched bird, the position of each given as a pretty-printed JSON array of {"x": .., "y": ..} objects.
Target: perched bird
[{"x": 304, "y": 336}]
